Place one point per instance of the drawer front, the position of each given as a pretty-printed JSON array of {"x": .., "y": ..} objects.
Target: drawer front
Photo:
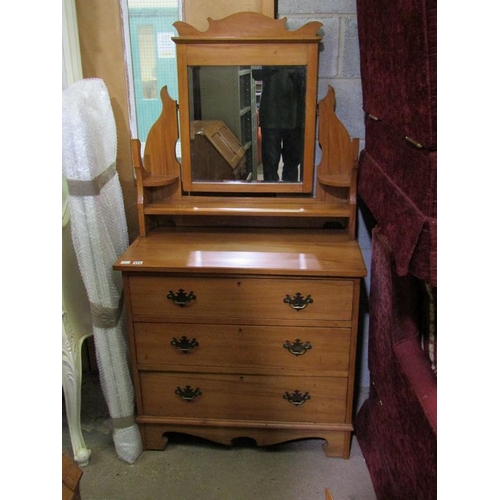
[
  {"x": 247, "y": 349},
  {"x": 229, "y": 299},
  {"x": 244, "y": 397}
]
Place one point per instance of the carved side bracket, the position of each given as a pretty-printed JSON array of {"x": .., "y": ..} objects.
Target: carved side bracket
[
  {"x": 158, "y": 175},
  {"x": 337, "y": 170}
]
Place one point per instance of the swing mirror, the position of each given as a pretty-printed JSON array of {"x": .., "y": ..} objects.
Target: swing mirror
[{"x": 247, "y": 104}]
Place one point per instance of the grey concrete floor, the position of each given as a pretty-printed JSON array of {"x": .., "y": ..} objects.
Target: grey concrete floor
[{"x": 193, "y": 469}]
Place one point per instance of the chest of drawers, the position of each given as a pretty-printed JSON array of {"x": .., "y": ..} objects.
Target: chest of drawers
[{"x": 246, "y": 333}]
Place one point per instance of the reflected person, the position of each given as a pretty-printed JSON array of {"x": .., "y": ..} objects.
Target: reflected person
[{"x": 281, "y": 117}]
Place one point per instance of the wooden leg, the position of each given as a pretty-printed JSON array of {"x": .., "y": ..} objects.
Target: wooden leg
[
  {"x": 153, "y": 438},
  {"x": 335, "y": 445}
]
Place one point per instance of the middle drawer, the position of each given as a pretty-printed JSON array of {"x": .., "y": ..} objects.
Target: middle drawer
[{"x": 248, "y": 349}]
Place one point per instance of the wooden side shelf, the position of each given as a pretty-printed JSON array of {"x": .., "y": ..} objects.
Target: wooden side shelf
[
  {"x": 159, "y": 180},
  {"x": 335, "y": 180}
]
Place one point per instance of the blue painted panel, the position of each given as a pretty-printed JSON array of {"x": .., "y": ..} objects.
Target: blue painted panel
[{"x": 158, "y": 23}]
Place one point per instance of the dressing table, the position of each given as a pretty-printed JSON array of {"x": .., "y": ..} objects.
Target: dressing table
[{"x": 242, "y": 295}]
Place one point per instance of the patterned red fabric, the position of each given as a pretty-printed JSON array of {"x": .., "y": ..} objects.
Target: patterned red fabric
[
  {"x": 397, "y": 426},
  {"x": 410, "y": 231},
  {"x": 397, "y": 169},
  {"x": 398, "y": 59},
  {"x": 411, "y": 169}
]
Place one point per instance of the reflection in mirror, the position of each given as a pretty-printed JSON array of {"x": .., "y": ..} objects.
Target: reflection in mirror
[{"x": 247, "y": 123}]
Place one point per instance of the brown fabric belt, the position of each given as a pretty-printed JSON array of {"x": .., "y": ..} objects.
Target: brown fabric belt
[
  {"x": 106, "y": 317},
  {"x": 123, "y": 422},
  {"x": 92, "y": 187}
]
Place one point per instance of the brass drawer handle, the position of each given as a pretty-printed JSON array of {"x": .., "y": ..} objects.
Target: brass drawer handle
[
  {"x": 297, "y": 398},
  {"x": 181, "y": 298},
  {"x": 297, "y": 348},
  {"x": 184, "y": 344},
  {"x": 188, "y": 393},
  {"x": 298, "y": 302}
]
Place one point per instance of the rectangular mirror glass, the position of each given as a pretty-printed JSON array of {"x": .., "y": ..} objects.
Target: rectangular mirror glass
[{"x": 247, "y": 123}]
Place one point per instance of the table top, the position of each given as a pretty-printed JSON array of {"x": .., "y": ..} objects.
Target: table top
[{"x": 307, "y": 252}]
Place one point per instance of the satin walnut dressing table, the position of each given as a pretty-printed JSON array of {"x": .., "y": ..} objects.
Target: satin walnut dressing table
[{"x": 242, "y": 295}]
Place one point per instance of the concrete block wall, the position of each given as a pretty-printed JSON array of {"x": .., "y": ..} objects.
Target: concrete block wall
[
  {"x": 339, "y": 56},
  {"x": 339, "y": 67}
]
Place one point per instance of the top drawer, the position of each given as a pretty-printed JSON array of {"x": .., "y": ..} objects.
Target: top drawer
[{"x": 255, "y": 300}]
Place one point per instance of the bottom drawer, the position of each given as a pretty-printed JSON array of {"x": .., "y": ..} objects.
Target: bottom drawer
[{"x": 245, "y": 397}]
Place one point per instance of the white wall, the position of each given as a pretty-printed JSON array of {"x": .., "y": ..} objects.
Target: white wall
[{"x": 71, "y": 60}]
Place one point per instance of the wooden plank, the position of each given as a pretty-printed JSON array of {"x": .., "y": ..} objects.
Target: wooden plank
[
  {"x": 254, "y": 208},
  {"x": 71, "y": 475},
  {"x": 197, "y": 12}
]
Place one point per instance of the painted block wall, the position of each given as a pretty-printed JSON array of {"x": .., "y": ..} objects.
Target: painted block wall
[{"x": 339, "y": 67}]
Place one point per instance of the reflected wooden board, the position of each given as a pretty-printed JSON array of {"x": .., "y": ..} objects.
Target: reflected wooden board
[{"x": 217, "y": 151}]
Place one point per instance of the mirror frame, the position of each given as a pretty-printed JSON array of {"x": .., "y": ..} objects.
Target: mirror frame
[{"x": 248, "y": 39}]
